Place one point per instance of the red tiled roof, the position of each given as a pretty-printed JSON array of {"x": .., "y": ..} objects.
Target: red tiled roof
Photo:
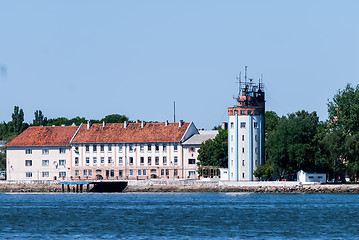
[
  {"x": 133, "y": 133},
  {"x": 45, "y": 136}
]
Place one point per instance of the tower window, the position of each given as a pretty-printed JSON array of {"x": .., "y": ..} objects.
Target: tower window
[
  {"x": 243, "y": 124},
  {"x": 232, "y": 138},
  {"x": 242, "y": 175},
  {"x": 242, "y": 162},
  {"x": 255, "y": 125},
  {"x": 242, "y": 137},
  {"x": 232, "y": 124},
  {"x": 249, "y": 112},
  {"x": 256, "y": 138},
  {"x": 256, "y": 150},
  {"x": 243, "y": 112},
  {"x": 242, "y": 150}
]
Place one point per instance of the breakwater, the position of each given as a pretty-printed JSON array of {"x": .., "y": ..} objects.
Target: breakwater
[{"x": 191, "y": 186}]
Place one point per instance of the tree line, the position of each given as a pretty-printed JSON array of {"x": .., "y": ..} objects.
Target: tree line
[{"x": 299, "y": 141}]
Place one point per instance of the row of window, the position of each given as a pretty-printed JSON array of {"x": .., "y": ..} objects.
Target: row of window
[
  {"x": 245, "y": 112},
  {"x": 243, "y": 124},
  {"x": 255, "y": 138},
  {"x": 243, "y": 163},
  {"x": 45, "y": 151},
  {"x": 131, "y": 160},
  {"x": 132, "y": 148},
  {"x": 45, "y": 163},
  {"x": 45, "y": 174},
  {"x": 255, "y": 150}
]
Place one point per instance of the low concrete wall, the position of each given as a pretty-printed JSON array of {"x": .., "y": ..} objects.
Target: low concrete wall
[{"x": 260, "y": 184}]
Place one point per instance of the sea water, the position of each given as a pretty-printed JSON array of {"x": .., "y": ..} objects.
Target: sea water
[{"x": 179, "y": 216}]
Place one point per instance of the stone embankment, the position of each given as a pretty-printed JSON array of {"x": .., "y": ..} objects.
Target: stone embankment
[{"x": 189, "y": 186}]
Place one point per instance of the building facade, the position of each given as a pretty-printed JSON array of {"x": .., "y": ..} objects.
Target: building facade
[
  {"x": 105, "y": 151},
  {"x": 246, "y": 132}
]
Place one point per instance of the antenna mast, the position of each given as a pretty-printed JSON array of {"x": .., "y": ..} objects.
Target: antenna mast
[{"x": 174, "y": 111}]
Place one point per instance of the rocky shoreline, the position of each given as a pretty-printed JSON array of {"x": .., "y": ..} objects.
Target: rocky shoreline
[{"x": 162, "y": 188}]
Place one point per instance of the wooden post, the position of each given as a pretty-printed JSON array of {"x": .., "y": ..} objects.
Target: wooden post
[
  {"x": 68, "y": 188},
  {"x": 63, "y": 187}
]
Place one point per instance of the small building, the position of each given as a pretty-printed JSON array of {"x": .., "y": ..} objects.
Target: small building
[{"x": 307, "y": 177}]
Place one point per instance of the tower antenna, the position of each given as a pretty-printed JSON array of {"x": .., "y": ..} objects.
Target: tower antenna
[
  {"x": 245, "y": 74},
  {"x": 174, "y": 111},
  {"x": 239, "y": 78}
]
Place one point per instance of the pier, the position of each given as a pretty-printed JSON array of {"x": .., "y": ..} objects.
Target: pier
[{"x": 93, "y": 186}]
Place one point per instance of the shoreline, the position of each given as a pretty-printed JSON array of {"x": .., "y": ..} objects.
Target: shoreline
[{"x": 193, "y": 187}]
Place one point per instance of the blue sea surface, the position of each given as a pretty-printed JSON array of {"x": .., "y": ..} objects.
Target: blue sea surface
[{"x": 179, "y": 216}]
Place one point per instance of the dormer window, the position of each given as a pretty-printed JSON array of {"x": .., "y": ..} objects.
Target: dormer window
[{"x": 28, "y": 151}]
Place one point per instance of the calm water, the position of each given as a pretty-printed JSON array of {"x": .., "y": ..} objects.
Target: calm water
[{"x": 179, "y": 216}]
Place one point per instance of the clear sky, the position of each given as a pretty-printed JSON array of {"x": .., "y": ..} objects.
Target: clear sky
[{"x": 95, "y": 58}]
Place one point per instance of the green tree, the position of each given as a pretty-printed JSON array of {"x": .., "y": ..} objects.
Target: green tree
[
  {"x": 214, "y": 152},
  {"x": 2, "y": 158},
  {"x": 17, "y": 123},
  {"x": 39, "y": 119},
  {"x": 291, "y": 147},
  {"x": 115, "y": 118},
  {"x": 264, "y": 172},
  {"x": 271, "y": 120}
]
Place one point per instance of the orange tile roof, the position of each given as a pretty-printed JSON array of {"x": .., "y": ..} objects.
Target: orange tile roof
[
  {"x": 133, "y": 133},
  {"x": 45, "y": 136}
]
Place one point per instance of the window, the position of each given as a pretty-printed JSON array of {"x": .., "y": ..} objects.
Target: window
[
  {"x": 164, "y": 160},
  {"x": 157, "y": 160},
  {"x": 176, "y": 160},
  {"x": 76, "y": 173},
  {"x": 242, "y": 175},
  {"x": 131, "y": 160},
  {"x": 144, "y": 172},
  {"x": 162, "y": 172},
  {"x": 142, "y": 160},
  {"x": 102, "y": 160},
  {"x": 149, "y": 161},
  {"x": 175, "y": 147},
  {"x": 256, "y": 138},
  {"x": 256, "y": 163},
  {"x": 157, "y": 147},
  {"x": 131, "y": 148},
  {"x": 255, "y": 125},
  {"x": 242, "y": 150},
  {"x": 149, "y": 147},
  {"x": 175, "y": 172},
  {"x": 76, "y": 150},
  {"x": 62, "y": 150},
  {"x": 112, "y": 173},
  {"x": 90, "y": 172},
  {"x": 120, "y": 160},
  {"x": 87, "y": 160},
  {"x": 45, "y": 174},
  {"x": 164, "y": 148},
  {"x": 87, "y": 148},
  {"x": 45, "y": 151},
  {"x": 167, "y": 172},
  {"x": 85, "y": 172},
  {"x": 242, "y": 162},
  {"x": 120, "y": 148},
  {"x": 249, "y": 112},
  {"x": 231, "y": 149},
  {"x": 28, "y": 174},
  {"x": 139, "y": 172},
  {"x": 192, "y": 149},
  {"x": 131, "y": 172},
  {"x": 102, "y": 148},
  {"x": 231, "y": 138},
  {"x": 232, "y": 124},
  {"x": 94, "y": 148},
  {"x": 98, "y": 171},
  {"x": 256, "y": 150},
  {"x": 231, "y": 162},
  {"x": 28, "y": 151},
  {"x": 95, "y": 160},
  {"x": 76, "y": 161},
  {"x": 28, "y": 163},
  {"x": 110, "y": 160},
  {"x": 242, "y": 137},
  {"x": 191, "y": 161},
  {"x": 243, "y": 112},
  {"x": 62, "y": 174},
  {"x": 45, "y": 162},
  {"x": 142, "y": 148},
  {"x": 243, "y": 124},
  {"x": 110, "y": 148},
  {"x": 120, "y": 173},
  {"x": 191, "y": 174},
  {"x": 62, "y": 162}
]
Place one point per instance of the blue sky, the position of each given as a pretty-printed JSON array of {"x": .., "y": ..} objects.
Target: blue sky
[{"x": 94, "y": 58}]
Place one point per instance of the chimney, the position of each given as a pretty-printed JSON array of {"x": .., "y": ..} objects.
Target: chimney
[
  {"x": 143, "y": 123},
  {"x": 137, "y": 121},
  {"x": 180, "y": 123},
  {"x": 224, "y": 125},
  {"x": 89, "y": 123},
  {"x": 103, "y": 124},
  {"x": 166, "y": 123},
  {"x": 125, "y": 124}
]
